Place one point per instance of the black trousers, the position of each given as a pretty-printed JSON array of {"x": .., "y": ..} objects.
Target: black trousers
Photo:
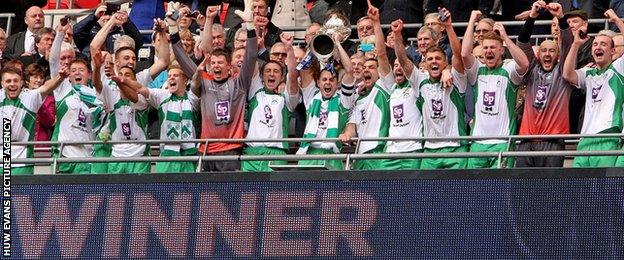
[
  {"x": 222, "y": 166},
  {"x": 541, "y": 161}
]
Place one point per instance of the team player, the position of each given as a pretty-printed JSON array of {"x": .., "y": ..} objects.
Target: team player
[
  {"x": 269, "y": 111},
  {"x": 327, "y": 110},
  {"x": 128, "y": 117},
  {"x": 605, "y": 96},
  {"x": 441, "y": 102},
  {"x": 495, "y": 83},
  {"x": 370, "y": 116},
  {"x": 224, "y": 96},
  {"x": 21, "y": 106},
  {"x": 547, "y": 93},
  {"x": 79, "y": 114}
]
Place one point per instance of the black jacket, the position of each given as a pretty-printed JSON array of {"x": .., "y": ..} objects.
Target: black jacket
[{"x": 85, "y": 31}]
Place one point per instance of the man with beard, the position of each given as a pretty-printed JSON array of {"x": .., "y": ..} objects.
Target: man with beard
[
  {"x": 440, "y": 102},
  {"x": 603, "y": 104},
  {"x": 21, "y": 106},
  {"x": 495, "y": 85},
  {"x": 547, "y": 93},
  {"x": 223, "y": 98},
  {"x": 371, "y": 114},
  {"x": 269, "y": 110},
  {"x": 327, "y": 111}
]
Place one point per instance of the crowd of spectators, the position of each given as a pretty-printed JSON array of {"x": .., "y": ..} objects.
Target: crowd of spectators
[{"x": 226, "y": 69}]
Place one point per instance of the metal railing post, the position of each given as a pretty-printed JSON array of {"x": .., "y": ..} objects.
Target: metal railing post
[
  {"x": 201, "y": 158},
  {"x": 55, "y": 162},
  {"x": 9, "y": 24},
  {"x": 348, "y": 162}
]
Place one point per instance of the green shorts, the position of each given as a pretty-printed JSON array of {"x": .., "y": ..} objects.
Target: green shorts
[
  {"x": 596, "y": 144},
  {"x": 401, "y": 164},
  {"x": 25, "y": 170},
  {"x": 175, "y": 167},
  {"x": 261, "y": 166},
  {"x": 445, "y": 163},
  {"x": 101, "y": 150},
  {"x": 81, "y": 168},
  {"x": 129, "y": 167},
  {"x": 371, "y": 164},
  {"x": 329, "y": 164},
  {"x": 488, "y": 162}
]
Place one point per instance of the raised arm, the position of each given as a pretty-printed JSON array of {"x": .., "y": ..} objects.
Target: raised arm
[
  {"x": 522, "y": 62},
  {"x": 82, "y": 30},
  {"x": 51, "y": 84},
  {"x": 399, "y": 48},
  {"x": 251, "y": 49},
  {"x": 613, "y": 18},
  {"x": 55, "y": 50},
  {"x": 468, "y": 41},
  {"x": 569, "y": 73},
  {"x": 348, "y": 78},
  {"x": 162, "y": 61},
  {"x": 457, "y": 62},
  {"x": 206, "y": 35},
  {"x": 100, "y": 37},
  {"x": 291, "y": 63},
  {"x": 380, "y": 41},
  {"x": 565, "y": 35},
  {"x": 128, "y": 87},
  {"x": 97, "y": 60}
]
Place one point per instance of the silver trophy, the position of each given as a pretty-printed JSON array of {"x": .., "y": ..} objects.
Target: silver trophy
[{"x": 322, "y": 45}]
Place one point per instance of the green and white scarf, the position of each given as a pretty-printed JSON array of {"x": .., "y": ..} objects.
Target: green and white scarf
[
  {"x": 179, "y": 122},
  {"x": 313, "y": 119}
]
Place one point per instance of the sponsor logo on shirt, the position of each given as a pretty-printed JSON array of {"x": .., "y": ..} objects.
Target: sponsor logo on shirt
[
  {"x": 222, "y": 112},
  {"x": 437, "y": 108},
  {"x": 82, "y": 118},
  {"x": 398, "y": 111},
  {"x": 125, "y": 129},
  {"x": 541, "y": 96},
  {"x": 595, "y": 93},
  {"x": 489, "y": 106},
  {"x": 323, "y": 116}
]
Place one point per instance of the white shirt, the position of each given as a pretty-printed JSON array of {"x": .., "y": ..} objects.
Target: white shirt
[{"x": 29, "y": 42}]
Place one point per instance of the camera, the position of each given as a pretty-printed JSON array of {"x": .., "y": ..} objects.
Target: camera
[
  {"x": 112, "y": 8},
  {"x": 442, "y": 15}
]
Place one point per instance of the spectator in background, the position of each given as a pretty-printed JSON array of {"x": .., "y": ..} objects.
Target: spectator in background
[
  {"x": 17, "y": 7},
  {"x": 218, "y": 37},
  {"x": 618, "y": 41},
  {"x": 291, "y": 13},
  {"x": 483, "y": 27},
  {"x": 269, "y": 33},
  {"x": 41, "y": 56},
  {"x": 460, "y": 9},
  {"x": 555, "y": 29},
  {"x": 432, "y": 20},
  {"x": 425, "y": 39},
  {"x": 618, "y": 7},
  {"x": 34, "y": 76},
  {"x": 87, "y": 28},
  {"x": 23, "y": 43},
  {"x": 2, "y": 45},
  {"x": 578, "y": 21}
]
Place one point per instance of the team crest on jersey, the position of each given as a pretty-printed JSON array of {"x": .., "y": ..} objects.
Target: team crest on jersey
[
  {"x": 596, "y": 92},
  {"x": 398, "y": 112},
  {"x": 489, "y": 99},
  {"x": 437, "y": 108},
  {"x": 222, "y": 111},
  {"x": 541, "y": 95},
  {"x": 82, "y": 118},
  {"x": 125, "y": 129}
]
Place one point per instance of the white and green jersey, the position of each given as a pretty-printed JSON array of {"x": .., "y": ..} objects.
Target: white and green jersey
[
  {"x": 371, "y": 113},
  {"x": 77, "y": 110},
  {"x": 178, "y": 116},
  {"x": 405, "y": 119},
  {"x": 442, "y": 108},
  {"x": 268, "y": 116},
  {"x": 22, "y": 112},
  {"x": 126, "y": 121},
  {"x": 604, "y": 99},
  {"x": 325, "y": 118},
  {"x": 495, "y": 99}
]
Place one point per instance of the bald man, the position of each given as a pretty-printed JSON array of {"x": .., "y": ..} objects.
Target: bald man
[
  {"x": 548, "y": 94},
  {"x": 23, "y": 43}
]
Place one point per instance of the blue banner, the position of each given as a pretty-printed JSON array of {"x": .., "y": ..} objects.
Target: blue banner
[{"x": 402, "y": 218}]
